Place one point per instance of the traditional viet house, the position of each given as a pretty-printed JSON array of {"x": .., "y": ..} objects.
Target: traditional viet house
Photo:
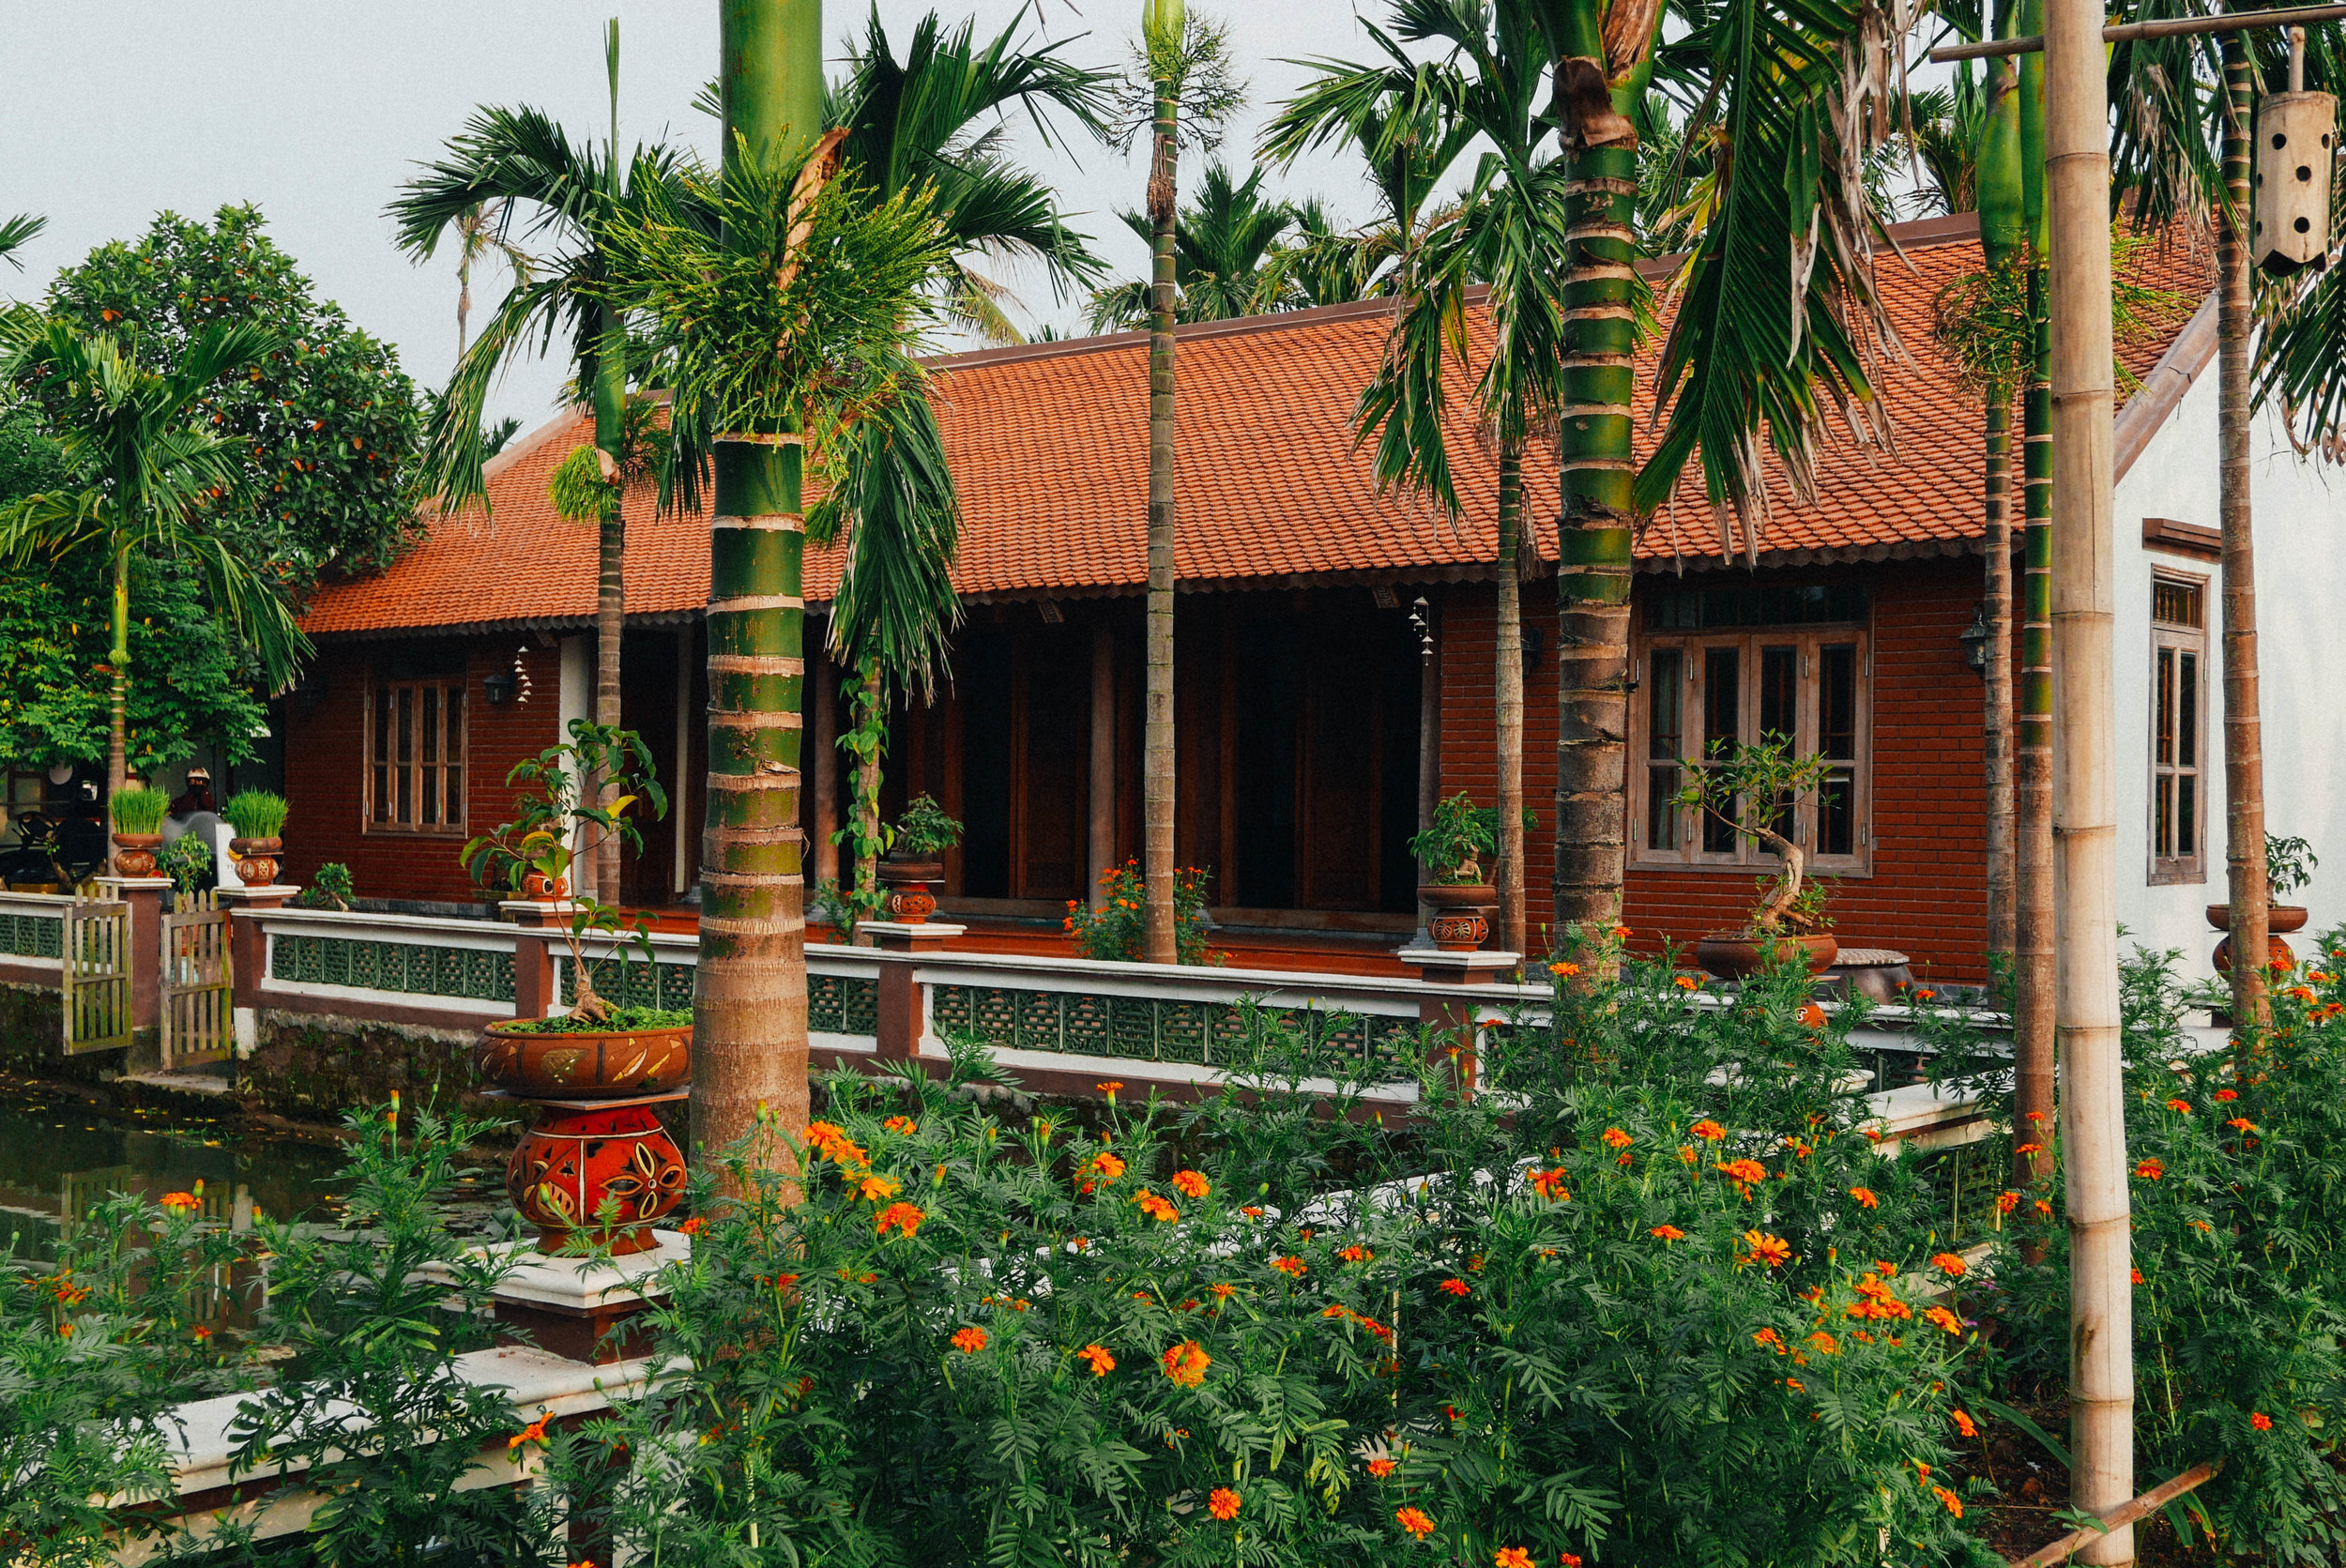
[{"x": 1325, "y": 635}]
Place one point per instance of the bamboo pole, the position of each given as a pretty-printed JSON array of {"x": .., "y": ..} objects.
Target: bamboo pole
[
  {"x": 2244, "y": 742},
  {"x": 749, "y": 990},
  {"x": 2142, "y": 1507},
  {"x": 2085, "y": 808},
  {"x": 2163, "y": 27}
]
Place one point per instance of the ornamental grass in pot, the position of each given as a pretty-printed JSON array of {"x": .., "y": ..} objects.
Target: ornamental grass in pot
[
  {"x": 1460, "y": 834},
  {"x": 138, "y": 818},
  {"x": 1789, "y": 923},
  {"x": 259, "y": 818},
  {"x": 915, "y": 860}
]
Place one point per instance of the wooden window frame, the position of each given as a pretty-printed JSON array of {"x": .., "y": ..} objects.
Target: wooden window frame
[
  {"x": 1808, "y": 641},
  {"x": 2171, "y": 642},
  {"x": 381, "y": 773}
]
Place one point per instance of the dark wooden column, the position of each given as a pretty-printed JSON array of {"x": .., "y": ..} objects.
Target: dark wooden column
[{"x": 1099, "y": 851}]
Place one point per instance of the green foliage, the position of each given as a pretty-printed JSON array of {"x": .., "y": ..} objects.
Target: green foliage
[
  {"x": 325, "y": 431},
  {"x": 864, "y": 834},
  {"x": 1114, "y": 931},
  {"x": 1224, "y": 243},
  {"x": 1454, "y": 843},
  {"x": 256, "y": 814},
  {"x": 924, "y": 830},
  {"x": 1981, "y": 319},
  {"x": 2288, "y": 865},
  {"x": 1751, "y": 788},
  {"x": 190, "y": 862},
  {"x": 577, "y": 488},
  {"x": 891, "y": 497},
  {"x": 556, "y": 825},
  {"x": 619, "y": 1019},
  {"x": 136, "y": 809},
  {"x": 330, "y": 888}
]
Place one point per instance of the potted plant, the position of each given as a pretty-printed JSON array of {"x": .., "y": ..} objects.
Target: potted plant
[
  {"x": 259, "y": 817},
  {"x": 330, "y": 888},
  {"x": 915, "y": 862},
  {"x": 1454, "y": 844},
  {"x": 138, "y": 817},
  {"x": 2289, "y": 866},
  {"x": 598, "y": 1166},
  {"x": 1789, "y": 923}
]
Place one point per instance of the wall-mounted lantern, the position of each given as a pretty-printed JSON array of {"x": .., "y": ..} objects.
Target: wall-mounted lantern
[
  {"x": 1974, "y": 639},
  {"x": 2296, "y": 139},
  {"x": 499, "y": 687}
]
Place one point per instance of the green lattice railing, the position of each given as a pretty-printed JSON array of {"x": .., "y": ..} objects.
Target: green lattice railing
[
  {"x": 835, "y": 1004},
  {"x": 1154, "y": 1029},
  {"x": 410, "y": 969},
  {"x": 31, "y": 936},
  {"x": 842, "y": 1004}
]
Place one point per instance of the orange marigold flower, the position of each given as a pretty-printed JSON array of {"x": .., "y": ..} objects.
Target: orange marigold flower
[
  {"x": 2180, "y": 1107},
  {"x": 902, "y": 1215},
  {"x": 2007, "y": 1202},
  {"x": 1963, "y": 1423},
  {"x": 1743, "y": 1170},
  {"x": 201, "y": 1331},
  {"x": 1708, "y": 1129},
  {"x": 2044, "y": 1206},
  {"x": 2241, "y": 1124},
  {"x": 969, "y": 1341},
  {"x": 1944, "y": 1318},
  {"x": 1823, "y": 1344},
  {"x": 871, "y": 1189},
  {"x": 533, "y": 1432},
  {"x": 1189, "y": 1183},
  {"x": 1770, "y": 1338},
  {"x": 179, "y": 1202},
  {"x": 1222, "y": 1503},
  {"x": 1155, "y": 1207},
  {"x": 1926, "y": 994},
  {"x": 1570, "y": 1559},
  {"x": 903, "y": 1124},
  {"x": 1186, "y": 1364},
  {"x": 1356, "y": 1254},
  {"x": 1668, "y": 1233},
  {"x": 694, "y": 1226},
  {"x": 1102, "y": 1362},
  {"x": 1954, "y": 1505},
  {"x": 1414, "y": 1521},
  {"x": 2151, "y": 1169},
  {"x": 1289, "y": 1265},
  {"x": 2030, "y": 1148},
  {"x": 1774, "y": 1250},
  {"x": 1457, "y": 1288},
  {"x": 2262, "y": 1422},
  {"x": 1251, "y": 1211},
  {"x": 1688, "y": 982},
  {"x": 1616, "y": 1138},
  {"x": 1947, "y": 1264},
  {"x": 1549, "y": 1184},
  {"x": 1110, "y": 1088},
  {"x": 2138, "y": 1277},
  {"x": 2228, "y": 1094},
  {"x": 1381, "y": 1468},
  {"x": 1512, "y": 1557},
  {"x": 1865, "y": 1196},
  {"x": 1685, "y": 1154},
  {"x": 1564, "y": 971},
  {"x": 1222, "y": 1292}
]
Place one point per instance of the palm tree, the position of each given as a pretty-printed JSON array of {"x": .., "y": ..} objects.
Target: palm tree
[
  {"x": 15, "y": 231},
  {"x": 155, "y": 474},
  {"x": 481, "y": 232},
  {"x": 1223, "y": 243},
  {"x": 1181, "y": 90},
  {"x": 518, "y": 159}
]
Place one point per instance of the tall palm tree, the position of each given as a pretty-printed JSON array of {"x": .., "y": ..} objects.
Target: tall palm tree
[
  {"x": 1181, "y": 90},
  {"x": 481, "y": 232},
  {"x": 522, "y": 161},
  {"x": 156, "y": 474},
  {"x": 1224, "y": 240}
]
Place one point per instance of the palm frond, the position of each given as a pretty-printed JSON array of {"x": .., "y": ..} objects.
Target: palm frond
[
  {"x": 16, "y": 231},
  {"x": 896, "y": 505}
]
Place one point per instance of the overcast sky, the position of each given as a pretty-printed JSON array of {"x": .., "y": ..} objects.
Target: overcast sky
[{"x": 113, "y": 110}]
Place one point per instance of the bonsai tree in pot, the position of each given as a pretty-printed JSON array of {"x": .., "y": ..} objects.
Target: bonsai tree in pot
[
  {"x": 2289, "y": 867},
  {"x": 259, "y": 818},
  {"x": 1454, "y": 844},
  {"x": 914, "y": 861},
  {"x": 138, "y": 817},
  {"x": 1751, "y": 789}
]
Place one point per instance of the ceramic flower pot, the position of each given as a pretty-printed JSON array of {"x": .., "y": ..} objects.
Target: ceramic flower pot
[
  {"x": 256, "y": 861},
  {"x": 2278, "y": 954},
  {"x": 1734, "y": 956},
  {"x": 1456, "y": 923},
  {"x": 908, "y": 881},
  {"x": 134, "y": 853},
  {"x": 544, "y": 889},
  {"x": 602, "y": 1175},
  {"x": 2278, "y": 919},
  {"x": 579, "y": 1065}
]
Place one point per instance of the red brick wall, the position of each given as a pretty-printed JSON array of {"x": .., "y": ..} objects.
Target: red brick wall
[
  {"x": 325, "y": 761},
  {"x": 1928, "y": 893}
]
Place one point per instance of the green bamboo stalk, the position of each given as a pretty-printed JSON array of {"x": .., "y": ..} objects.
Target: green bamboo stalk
[{"x": 749, "y": 989}]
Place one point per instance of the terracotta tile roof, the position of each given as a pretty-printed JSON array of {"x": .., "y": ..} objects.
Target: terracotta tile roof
[{"x": 1049, "y": 445}]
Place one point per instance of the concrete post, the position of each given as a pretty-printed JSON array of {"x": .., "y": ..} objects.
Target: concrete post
[
  {"x": 903, "y": 1009},
  {"x": 144, "y": 896},
  {"x": 542, "y": 924},
  {"x": 1453, "y": 1018}
]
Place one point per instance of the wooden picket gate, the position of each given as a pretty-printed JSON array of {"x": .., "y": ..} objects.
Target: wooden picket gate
[
  {"x": 197, "y": 1019},
  {"x": 96, "y": 976}
]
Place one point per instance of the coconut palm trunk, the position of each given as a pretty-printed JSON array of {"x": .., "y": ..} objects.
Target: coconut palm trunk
[
  {"x": 2244, "y": 742},
  {"x": 749, "y": 989},
  {"x": 1594, "y": 536},
  {"x": 1508, "y": 684},
  {"x": 1157, "y": 771},
  {"x": 118, "y": 698}
]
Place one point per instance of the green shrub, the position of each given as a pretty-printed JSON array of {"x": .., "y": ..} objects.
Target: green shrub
[
  {"x": 330, "y": 888},
  {"x": 1113, "y": 930},
  {"x": 190, "y": 862},
  {"x": 256, "y": 814},
  {"x": 924, "y": 830},
  {"x": 137, "y": 809}
]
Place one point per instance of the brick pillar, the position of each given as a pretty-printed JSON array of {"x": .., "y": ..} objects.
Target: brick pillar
[
  {"x": 542, "y": 924},
  {"x": 247, "y": 958},
  {"x": 144, "y": 896},
  {"x": 902, "y": 1016}
]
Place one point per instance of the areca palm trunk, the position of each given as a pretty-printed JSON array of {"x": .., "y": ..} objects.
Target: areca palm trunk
[
  {"x": 1508, "y": 684},
  {"x": 2034, "y": 975},
  {"x": 118, "y": 701},
  {"x": 610, "y": 583},
  {"x": 1593, "y": 534},
  {"x": 1996, "y": 734},
  {"x": 2244, "y": 744},
  {"x": 867, "y": 791},
  {"x": 749, "y": 989},
  {"x": 1157, "y": 771}
]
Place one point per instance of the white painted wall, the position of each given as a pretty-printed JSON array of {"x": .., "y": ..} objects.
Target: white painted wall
[
  {"x": 576, "y": 700},
  {"x": 2301, "y": 609}
]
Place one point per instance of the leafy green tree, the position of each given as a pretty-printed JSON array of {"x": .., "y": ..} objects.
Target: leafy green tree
[
  {"x": 1223, "y": 241},
  {"x": 153, "y": 483},
  {"x": 323, "y": 432}
]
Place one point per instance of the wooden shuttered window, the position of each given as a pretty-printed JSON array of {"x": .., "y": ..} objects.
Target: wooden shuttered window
[
  {"x": 2178, "y": 729},
  {"x": 416, "y": 757}
]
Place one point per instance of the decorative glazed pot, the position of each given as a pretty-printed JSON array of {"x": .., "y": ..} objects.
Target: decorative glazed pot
[
  {"x": 1735, "y": 956},
  {"x": 2279, "y": 919},
  {"x": 544, "y": 889},
  {"x": 134, "y": 853},
  {"x": 256, "y": 861},
  {"x": 1457, "y": 922},
  {"x": 2278, "y": 954},
  {"x": 908, "y": 881},
  {"x": 578, "y": 1065},
  {"x": 574, "y": 1162}
]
